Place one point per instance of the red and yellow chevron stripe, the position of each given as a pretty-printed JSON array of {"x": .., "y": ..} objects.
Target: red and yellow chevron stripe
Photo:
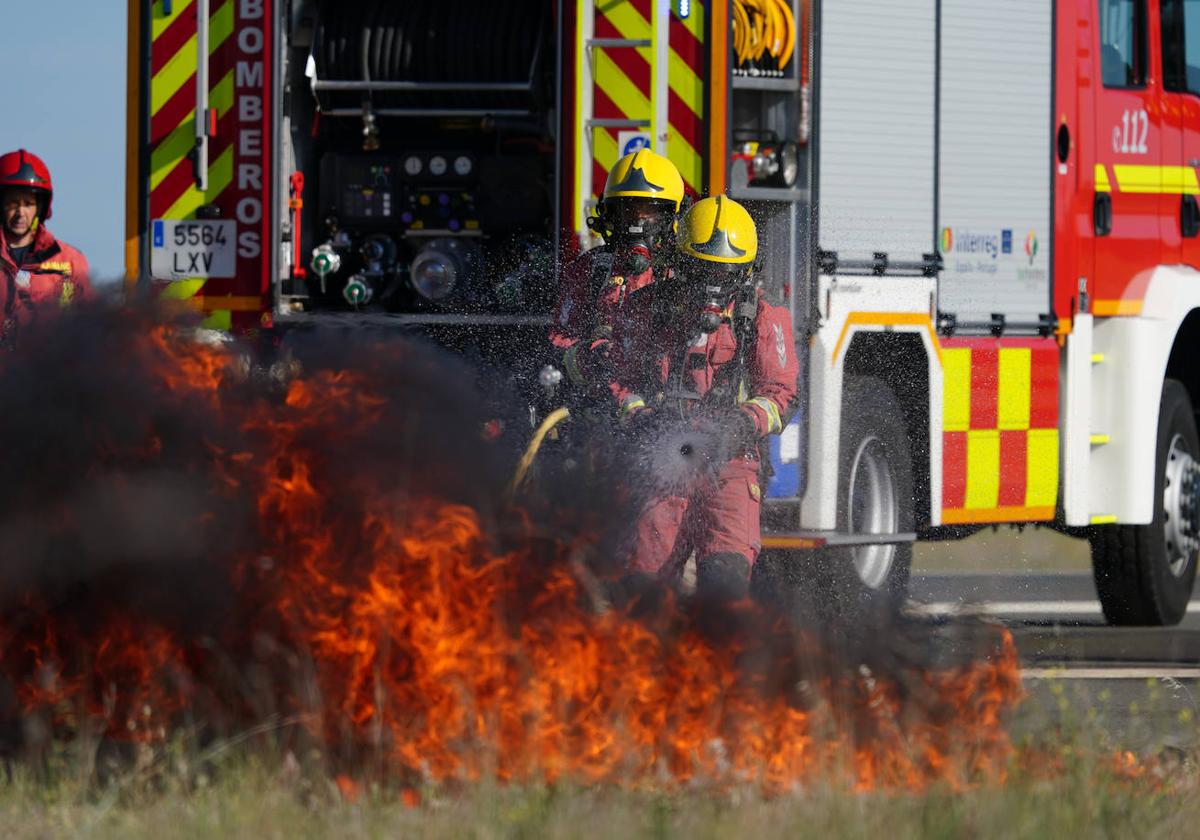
[
  {"x": 623, "y": 86},
  {"x": 233, "y": 303},
  {"x": 1000, "y": 430}
]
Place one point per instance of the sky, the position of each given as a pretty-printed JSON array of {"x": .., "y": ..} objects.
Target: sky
[{"x": 72, "y": 114}]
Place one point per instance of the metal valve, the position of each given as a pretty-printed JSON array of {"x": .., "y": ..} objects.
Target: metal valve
[{"x": 325, "y": 260}]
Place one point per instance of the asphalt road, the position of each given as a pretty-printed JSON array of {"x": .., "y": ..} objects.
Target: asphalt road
[{"x": 1140, "y": 687}]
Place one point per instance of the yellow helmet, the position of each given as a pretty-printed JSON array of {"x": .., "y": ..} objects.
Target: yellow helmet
[
  {"x": 644, "y": 174},
  {"x": 718, "y": 229}
]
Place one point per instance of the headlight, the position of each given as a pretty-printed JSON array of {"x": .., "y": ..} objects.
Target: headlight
[
  {"x": 766, "y": 161},
  {"x": 442, "y": 267},
  {"x": 789, "y": 164},
  {"x": 777, "y": 165}
]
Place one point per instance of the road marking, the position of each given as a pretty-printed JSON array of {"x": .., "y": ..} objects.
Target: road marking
[
  {"x": 1016, "y": 608},
  {"x": 1067, "y": 673}
]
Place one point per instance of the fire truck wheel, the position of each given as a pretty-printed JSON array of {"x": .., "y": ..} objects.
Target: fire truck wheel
[
  {"x": 1144, "y": 573},
  {"x": 875, "y": 496}
]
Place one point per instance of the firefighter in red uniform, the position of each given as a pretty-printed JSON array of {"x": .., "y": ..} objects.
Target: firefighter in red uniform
[
  {"x": 637, "y": 218},
  {"x": 708, "y": 350},
  {"x": 37, "y": 271}
]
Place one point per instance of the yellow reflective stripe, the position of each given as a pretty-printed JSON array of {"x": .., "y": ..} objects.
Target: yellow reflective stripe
[
  {"x": 1014, "y": 370},
  {"x": 571, "y": 363},
  {"x": 774, "y": 421},
  {"x": 1180, "y": 180},
  {"x": 160, "y": 22},
  {"x": 956, "y": 389},
  {"x": 176, "y": 145},
  {"x": 1132, "y": 178},
  {"x": 631, "y": 25},
  {"x": 694, "y": 22},
  {"x": 181, "y": 289},
  {"x": 605, "y": 151},
  {"x": 632, "y": 101},
  {"x": 1041, "y": 467},
  {"x": 983, "y": 468},
  {"x": 1102, "y": 184},
  {"x": 221, "y": 320},
  {"x": 182, "y": 66},
  {"x": 632, "y": 403},
  {"x": 220, "y": 176},
  {"x": 685, "y": 158},
  {"x": 1156, "y": 180},
  {"x": 173, "y": 148},
  {"x": 686, "y": 84}
]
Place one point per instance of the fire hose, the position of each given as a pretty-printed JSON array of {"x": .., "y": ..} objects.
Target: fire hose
[
  {"x": 763, "y": 26},
  {"x": 548, "y": 424},
  {"x": 460, "y": 42}
]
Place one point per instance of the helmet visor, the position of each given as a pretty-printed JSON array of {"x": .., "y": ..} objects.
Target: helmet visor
[
  {"x": 711, "y": 279},
  {"x": 641, "y": 217}
]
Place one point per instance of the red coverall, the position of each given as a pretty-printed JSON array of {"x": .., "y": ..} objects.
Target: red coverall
[
  {"x": 53, "y": 274},
  {"x": 592, "y": 293},
  {"x": 721, "y": 514}
]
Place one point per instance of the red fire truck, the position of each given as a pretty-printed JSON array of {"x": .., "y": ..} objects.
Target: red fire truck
[{"x": 983, "y": 215}]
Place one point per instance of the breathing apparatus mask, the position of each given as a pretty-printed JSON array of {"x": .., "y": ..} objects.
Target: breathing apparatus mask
[
  {"x": 710, "y": 291},
  {"x": 638, "y": 229}
]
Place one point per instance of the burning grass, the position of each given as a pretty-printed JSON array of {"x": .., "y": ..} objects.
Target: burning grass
[{"x": 320, "y": 563}]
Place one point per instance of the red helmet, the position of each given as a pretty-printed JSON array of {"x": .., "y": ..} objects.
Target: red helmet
[{"x": 25, "y": 170}]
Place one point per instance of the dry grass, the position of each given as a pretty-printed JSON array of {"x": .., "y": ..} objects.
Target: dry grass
[{"x": 1067, "y": 791}]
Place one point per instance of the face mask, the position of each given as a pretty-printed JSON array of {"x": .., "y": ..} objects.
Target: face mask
[
  {"x": 709, "y": 289},
  {"x": 640, "y": 226},
  {"x": 712, "y": 310}
]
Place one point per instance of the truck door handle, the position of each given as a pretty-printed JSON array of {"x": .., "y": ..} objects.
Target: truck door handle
[
  {"x": 1189, "y": 216},
  {"x": 1102, "y": 214},
  {"x": 203, "y": 120}
]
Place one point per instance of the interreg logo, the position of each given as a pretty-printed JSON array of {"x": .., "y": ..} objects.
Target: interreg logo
[
  {"x": 966, "y": 242},
  {"x": 1031, "y": 246}
]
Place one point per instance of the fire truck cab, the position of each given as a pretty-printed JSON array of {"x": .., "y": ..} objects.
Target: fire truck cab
[{"x": 983, "y": 217}]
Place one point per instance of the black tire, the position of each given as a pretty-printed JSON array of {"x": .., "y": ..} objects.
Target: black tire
[
  {"x": 873, "y": 427},
  {"x": 827, "y": 583},
  {"x": 1131, "y": 564}
]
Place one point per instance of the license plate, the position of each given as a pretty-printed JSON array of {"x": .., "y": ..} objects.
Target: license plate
[{"x": 181, "y": 249}]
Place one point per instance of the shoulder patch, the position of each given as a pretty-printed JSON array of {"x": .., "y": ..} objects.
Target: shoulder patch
[
  {"x": 780, "y": 346},
  {"x": 62, "y": 267}
]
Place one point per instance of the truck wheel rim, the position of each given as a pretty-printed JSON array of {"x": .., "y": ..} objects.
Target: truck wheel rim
[
  {"x": 1181, "y": 507},
  {"x": 873, "y": 510}
]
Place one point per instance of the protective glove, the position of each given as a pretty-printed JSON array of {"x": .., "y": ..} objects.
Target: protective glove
[
  {"x": 736, "y": 427},
  {"x": 584, "y": 362}
]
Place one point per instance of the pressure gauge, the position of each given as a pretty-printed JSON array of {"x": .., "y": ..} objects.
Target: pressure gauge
[
  {"x": 462, "y": 166},
  {"x": 437, "y": 165},
  {"x": 412, "y": 165}
]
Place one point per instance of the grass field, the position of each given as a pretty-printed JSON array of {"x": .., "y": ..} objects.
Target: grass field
[
  {"x": 1069, "y": 775},
  {"x": 1082, "y": 798}
]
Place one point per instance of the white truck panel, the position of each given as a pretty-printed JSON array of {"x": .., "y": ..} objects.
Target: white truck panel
[
  {"x": 994, "y": 159},
  {"x": 876, "y": 128}
]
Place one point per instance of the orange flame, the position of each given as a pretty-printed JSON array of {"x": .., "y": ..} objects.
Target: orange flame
[{"x": 454, "y": 659}]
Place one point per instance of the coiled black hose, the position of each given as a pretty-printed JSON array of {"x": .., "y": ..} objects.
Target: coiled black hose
[{"x": 459, "y": 41}]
